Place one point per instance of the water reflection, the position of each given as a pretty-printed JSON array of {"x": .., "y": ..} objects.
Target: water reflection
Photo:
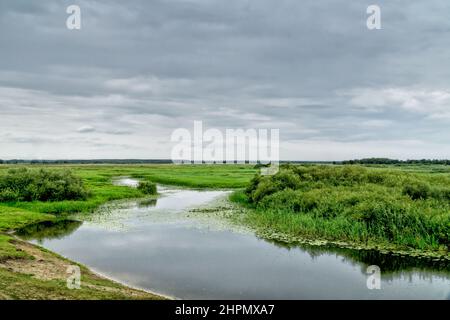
[
  {"x": 49, "y": 230},
  {"x": 386, "y": 261},
  {"x": 147, "y": 203},
  {"x": 389, "y": 263},
  {"x": 126, "y": 182},
  {"x": 166, "y": 250}
]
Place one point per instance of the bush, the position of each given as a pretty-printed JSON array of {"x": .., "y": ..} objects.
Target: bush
[
  {"x": 417, "y": 190},
  {"x": 261, "y": 187},
  {"x": 41, "y": 185},
  {"x": 147, "y": 187},
  {"x": 7, "y": 195},
  {"x": 441, "y": 194},
  {"x": 287, "y": 199}
]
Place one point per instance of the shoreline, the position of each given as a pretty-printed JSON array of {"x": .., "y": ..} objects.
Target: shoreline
[
  {"x": 123, "y": 283},
  {"x": 237, "y": 217},
  {"x": 41, "y": 269},
  {"x": 100, "y": 274},
  {"x": 383, "y": 249}
]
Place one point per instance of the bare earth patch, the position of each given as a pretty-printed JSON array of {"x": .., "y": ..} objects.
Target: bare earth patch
[{"x": 44, "y": 265}]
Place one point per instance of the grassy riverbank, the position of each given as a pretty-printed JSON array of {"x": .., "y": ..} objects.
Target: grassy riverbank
[
  {"x": 28, "y": 272},
  {"x": 385, "y": 208}
]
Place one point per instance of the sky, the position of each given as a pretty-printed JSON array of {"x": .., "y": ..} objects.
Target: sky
[{"x": 138, "y": 70}]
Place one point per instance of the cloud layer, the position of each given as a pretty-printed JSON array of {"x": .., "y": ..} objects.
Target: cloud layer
[{"x": 137, "y": 70}]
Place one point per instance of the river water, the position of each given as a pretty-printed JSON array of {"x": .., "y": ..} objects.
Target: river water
[{"x": 159, "y": 246}]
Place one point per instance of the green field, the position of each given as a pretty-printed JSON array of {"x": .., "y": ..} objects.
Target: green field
[{"x": 400, "y": 207}]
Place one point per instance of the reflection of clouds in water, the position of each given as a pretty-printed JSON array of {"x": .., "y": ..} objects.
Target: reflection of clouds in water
[
  {"x": 170, "y": 206},
  {"x": 125, "y": 182},
  {"x": 187, "y": 251}
]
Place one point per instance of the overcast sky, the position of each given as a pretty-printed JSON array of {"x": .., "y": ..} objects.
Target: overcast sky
[{"x": 137, "y": 70}]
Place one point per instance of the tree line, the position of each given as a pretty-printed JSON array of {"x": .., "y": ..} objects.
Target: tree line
[
  {"x": 93, "y": 161},
  {"x": 395, "y": 161}
]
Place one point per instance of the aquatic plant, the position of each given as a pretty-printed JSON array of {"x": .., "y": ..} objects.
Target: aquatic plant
[{"x": 147, "y": 187}]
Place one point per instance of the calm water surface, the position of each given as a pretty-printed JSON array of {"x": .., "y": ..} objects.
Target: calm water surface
[{"x": 157, "y": 246}]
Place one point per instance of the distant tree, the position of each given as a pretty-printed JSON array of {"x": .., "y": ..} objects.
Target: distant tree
[{"x": 395, "y": 161}]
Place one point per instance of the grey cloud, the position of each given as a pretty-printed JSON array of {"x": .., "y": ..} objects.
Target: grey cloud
[
  {"x": 86, "y": 129},
  {"x": 139, "y": 69}
]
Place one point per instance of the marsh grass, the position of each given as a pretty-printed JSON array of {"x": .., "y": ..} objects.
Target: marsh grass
[
  {"x": 352, "y": 203},
  {"x": 147, "y": 187}
]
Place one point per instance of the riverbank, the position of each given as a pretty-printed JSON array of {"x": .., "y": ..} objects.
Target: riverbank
[
  {"x": 28, "y": 271},
  {"x": 31, "y": 272},
  {"x": 262, "y": 230},
  {"x": 383, "y": 209},
  {"x": 236, "y": 216},
  {"x": 23, "y": 265}
]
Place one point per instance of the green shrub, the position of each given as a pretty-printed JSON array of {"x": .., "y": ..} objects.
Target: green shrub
[
  {"x": 8, "y": 195},
  {"x": 147, "y": 187},
  {"x": 441, "y": 193},
  {"x": 286, "y": 199},
  {"x": 262, "y": 186},
  {"x": 263, "y": 189},
  {"x": 41, "y": 185},
  {"x": 253, "y": 184},
  {"x": 417, "y": 190},
  {"x": 239, "y": 197}
]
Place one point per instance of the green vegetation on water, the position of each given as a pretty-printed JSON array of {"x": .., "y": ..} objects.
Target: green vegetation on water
[
  {"x": 147, "y": 187},
  {"x": 375, "y": 206}
]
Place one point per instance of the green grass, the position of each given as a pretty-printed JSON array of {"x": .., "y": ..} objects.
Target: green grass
[
  {"x": 406, "y": 209},
  {"x": 15, "y": 218},
  {"x": 23, "y": 286},
  {"x": 8, "y": 250},
  {"x": 97, "y": 179}
]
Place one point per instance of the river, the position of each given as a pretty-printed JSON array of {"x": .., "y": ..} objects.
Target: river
[{"x": 159, "y": 246}]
